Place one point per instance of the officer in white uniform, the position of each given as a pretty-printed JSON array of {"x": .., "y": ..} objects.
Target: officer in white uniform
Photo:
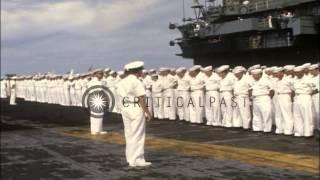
[
  {"x": 212, "y": 97},
  {"x": 134, "y": 113},
  {"x": 241, "y": 112},
  {"x": 303, "y": 105},
  {"x": 262, "y": 93},
  {"x": 226, "y": 95},
  {"x": 196, "y": 102},
  {"x": 183, "y": 94},
  {"x": 96, "y": 123}
]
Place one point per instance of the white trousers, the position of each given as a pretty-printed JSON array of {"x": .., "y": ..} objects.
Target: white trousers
[
  {"x": 241, "y": 112},
  {"x": 303, "y": 116},
  {"x": 226, "y": 108},
  {"x": 157, "y": 103},
  {"x": 315, "y": 99},
  {"x": 212, "y": 108},
  {"x": 169, "y": 104},
  {"x": 196, "y": 108},
  {"x": 134, "y": 131},
  {"x": 13, "y": 97},
  {"x": 149, "y": 100},
  {"x": 96, "y": 124},
  {"x": 182, "y": 99},
  {"x": 284, "y": 115},
  {"x": 262, "y": 114}
]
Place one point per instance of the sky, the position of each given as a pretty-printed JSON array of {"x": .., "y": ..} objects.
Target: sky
[{"x": 39, "y": 36}]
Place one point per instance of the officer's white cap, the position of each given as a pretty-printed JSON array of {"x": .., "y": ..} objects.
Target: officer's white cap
[
  {"x": 299, "y": 68},
  {"x": 256, "y": 71},
  {"x": 289, "y": 67},
  {"x": 208, "y": 68},
  {"x": 222, "y": 68},
  {"x": 134, "y": 65},
  {"x": 314, "y": 66},
  {"x": 163, "y": 69}
]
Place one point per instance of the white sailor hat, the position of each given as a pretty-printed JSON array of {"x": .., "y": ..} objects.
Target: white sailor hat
[
  {"x": 278, "y": 69},
  {"x": 134, "y": 65},
  {"x": 152, "y": 70},
  {"x": 289, "y": 67},
  {"x": 257, "y": 66},
  {"x": 70, "y": 77},
  {"x": 256, "y": 71},
  {"x": 263, "y": 67},
  {"x": 181, "y": 69},
  {"x": 154, "y": 75},
  {"x": 306, "y": 65},
  {"x": 299, "y": 68},
  {"x": 314, "y": 66},
  {"x": 162, "y": 69},
  {"x": 144, "y": 71},
  {"x": 112, "y": 72},
  {"x": 120, "y": 73},
  {"x": 208, "y": 68},
  {"x": 238, "y": 69},
  {"x": 173, "y": 69},
  {"x": 194, "y": 68},
  {"x": 222, "y": 68},
  {"x": 106, "y": 69}
]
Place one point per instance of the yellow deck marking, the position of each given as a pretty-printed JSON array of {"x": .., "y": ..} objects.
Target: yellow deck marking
[{"x": 252, "y": 156}]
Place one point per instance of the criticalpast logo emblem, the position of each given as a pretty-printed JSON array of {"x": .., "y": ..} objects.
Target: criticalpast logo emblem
[{"x": 98, "y": 99}]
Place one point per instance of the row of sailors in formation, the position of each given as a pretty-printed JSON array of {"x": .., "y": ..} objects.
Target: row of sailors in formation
[{"x": 253, "y": 98}]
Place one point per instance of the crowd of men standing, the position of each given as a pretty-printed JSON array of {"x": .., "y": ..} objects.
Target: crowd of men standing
[{"x": 255, "y": 98}]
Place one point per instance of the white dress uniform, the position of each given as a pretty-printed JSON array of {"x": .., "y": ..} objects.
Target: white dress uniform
[
  {"x": 196, "y": 103},
  {"x": 66, "y": 92},
  {"x": 183, "y": 97},
  {"x": 303, "y": 108},
  {"x": 111, "y": 84},
  {"x": 212, "y": 100},
  {"x": 3, "y": 91},
  {"x": 78, "y": 92},
  {"x": 283, "y": 107},
  {"x": 157, "y": 100},
  {"x": 315, "y": 99},
  {"x": 262, "y": 105},
  {"x": 130, "y": 88},
  {"x": 169, "y": 103},
  {"x": 12, "y": 92},
  {"x": 147, "y": 84},
  {"x": 226, "y": 87},
  {"x": 241, "y": 112},
  {"x": 96, "y": 123}
]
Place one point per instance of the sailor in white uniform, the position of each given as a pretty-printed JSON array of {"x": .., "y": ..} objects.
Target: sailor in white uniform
[
  {"x": 183, "y": 94},
  {"x": 168, "y": 84},
  {"x": 196, "y": 102},
  {"x": 134, "y": 113},
  {"x": 12, "y": 85},
  {"x": 212, "y": 97},
  {"x": 241, "y": 112},
  {"x": 226, "y": 95},
  {"x": 4, "y": 87},
  {"x": 262, "y": 93},
  {"x": 303, "y": 105},
  {"x": 283, "y": 105},
  {"x": 315, "y": 78},
  {"x": 156, "y": 93}
]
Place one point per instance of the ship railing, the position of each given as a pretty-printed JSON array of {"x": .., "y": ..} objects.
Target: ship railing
[{"x": 263, "y": 5}]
